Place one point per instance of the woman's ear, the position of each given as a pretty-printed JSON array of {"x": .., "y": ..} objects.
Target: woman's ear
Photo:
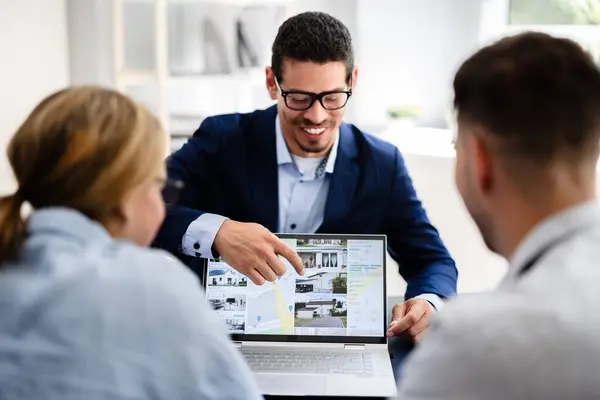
[{"x": 116, "y": 220}]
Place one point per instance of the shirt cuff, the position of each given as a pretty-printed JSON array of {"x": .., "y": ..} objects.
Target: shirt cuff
[
  {"x": 200, "y": 234},
  {"x": 435, "y": 300}
]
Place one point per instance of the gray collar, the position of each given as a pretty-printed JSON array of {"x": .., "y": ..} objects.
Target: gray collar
[
  {"x": 67, "y": 222},
  {"x": 551, "y": 230}
]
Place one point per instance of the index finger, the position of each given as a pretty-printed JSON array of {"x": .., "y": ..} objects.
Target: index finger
[{"x": 289, "y": 254}]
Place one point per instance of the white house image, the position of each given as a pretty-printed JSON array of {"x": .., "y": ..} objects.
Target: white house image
[
  {"x": 320, "y": 282},
  {"x": 308, "y": 312},
  {"x": 320, "y": 308},
  {"x": 236, "y": 324},
  {"x": 226, "y": 277},
  {"x": 228, "y": 302},
  {"x": 323, "y": 256}
]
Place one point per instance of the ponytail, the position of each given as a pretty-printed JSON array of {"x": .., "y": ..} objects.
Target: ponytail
[{"x": 12, "y": 226}]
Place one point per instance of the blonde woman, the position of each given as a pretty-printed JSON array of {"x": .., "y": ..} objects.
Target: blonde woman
[{"x": 87, "y": 312}]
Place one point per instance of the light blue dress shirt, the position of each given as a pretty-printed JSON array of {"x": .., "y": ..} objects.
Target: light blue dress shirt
[
  {"x": 84, "y": 316},
  {"x": 302, "y": 200},
  {"x": 302, "y": 196}
]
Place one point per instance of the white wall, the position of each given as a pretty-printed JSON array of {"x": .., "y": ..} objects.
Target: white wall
[
  {"x": 90, "y": 41},
  {"x": 34, "y": 54},
  {"x": 407, "y": 52}
]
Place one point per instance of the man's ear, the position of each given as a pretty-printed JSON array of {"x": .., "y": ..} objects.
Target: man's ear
[
  {"x": 270, "y": 82},
  {"x": 483, "y": 166},
  {"x": 354, "y": 77}
]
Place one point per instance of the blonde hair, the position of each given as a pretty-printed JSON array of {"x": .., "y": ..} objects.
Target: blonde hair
[{"x": 82, "y": 148}]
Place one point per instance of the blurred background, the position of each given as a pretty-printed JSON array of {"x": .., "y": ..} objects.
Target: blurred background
[{"x": 189, "y": 59}]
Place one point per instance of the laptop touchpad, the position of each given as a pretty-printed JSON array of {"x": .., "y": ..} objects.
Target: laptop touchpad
[{"x": 278, "y": 384}]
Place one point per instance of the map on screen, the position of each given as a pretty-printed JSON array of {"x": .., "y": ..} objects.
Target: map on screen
[{"x": 340, "y": 294}]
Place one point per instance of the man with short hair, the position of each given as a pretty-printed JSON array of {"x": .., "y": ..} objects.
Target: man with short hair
[
  {"x": 528, "y": 110},
  {"x": 297, "y": 168}
]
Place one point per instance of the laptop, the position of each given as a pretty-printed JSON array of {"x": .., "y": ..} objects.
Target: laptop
[{"x": 321, "y": 334}]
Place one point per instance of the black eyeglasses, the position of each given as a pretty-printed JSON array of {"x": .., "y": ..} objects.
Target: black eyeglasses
[
  {"x": 301, "y": 101},
  {"x": 171, "y": 189}
]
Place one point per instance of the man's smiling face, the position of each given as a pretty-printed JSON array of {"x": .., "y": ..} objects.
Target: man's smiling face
[{"x": 311, "y": 133}]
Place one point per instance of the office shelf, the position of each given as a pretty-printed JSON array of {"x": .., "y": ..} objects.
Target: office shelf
[{"x": 157, "y": 51}]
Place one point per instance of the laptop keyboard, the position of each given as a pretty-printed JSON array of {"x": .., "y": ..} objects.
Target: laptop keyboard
[{"x": 309, "y": 362}]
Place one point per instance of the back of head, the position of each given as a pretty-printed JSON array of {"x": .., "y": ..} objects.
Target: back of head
[
  {"x": 312, "y": 36},
  {"x": 536, "y": 99},
  {"x": 82, "y": 148}
]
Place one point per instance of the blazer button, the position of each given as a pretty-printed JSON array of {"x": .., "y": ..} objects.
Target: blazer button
[
  {"x": 198, "y": 255},
  {"x": 293, "y": 226},
  {"x": 196, "y": 245}
]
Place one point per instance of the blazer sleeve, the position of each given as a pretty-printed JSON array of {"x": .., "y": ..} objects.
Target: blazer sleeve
[
  {"x": 190, "y": 165},
  {"x": 414, "y": 243}
]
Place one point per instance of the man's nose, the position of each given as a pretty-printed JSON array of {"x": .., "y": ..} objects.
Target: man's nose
[{"x": 316, "y": 113}]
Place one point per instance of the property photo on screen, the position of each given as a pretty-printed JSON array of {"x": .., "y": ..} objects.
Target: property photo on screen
[
  {"x": 223, "y": 275},
  {"x": 227, "y": 301},
  {"x": 323, "y": 254},
  {"x": 321, "y": 311},
  {"x": 323, "y": 282}
]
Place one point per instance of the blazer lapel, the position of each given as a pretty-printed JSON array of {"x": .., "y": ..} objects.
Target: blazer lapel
[
  {"x": 343, "y": 182},
  {"x": 263, "y": 169}
]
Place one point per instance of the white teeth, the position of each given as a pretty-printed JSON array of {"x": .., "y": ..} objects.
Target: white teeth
[{"x": 315, "y": 131}]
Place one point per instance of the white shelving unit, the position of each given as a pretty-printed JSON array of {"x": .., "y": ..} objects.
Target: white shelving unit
[
  {"x": 126, "y": 77},
  {"x": 157, "y": 51}
]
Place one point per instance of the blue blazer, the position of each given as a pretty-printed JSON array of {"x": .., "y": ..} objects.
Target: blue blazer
[{"x": 229, "y": 167}]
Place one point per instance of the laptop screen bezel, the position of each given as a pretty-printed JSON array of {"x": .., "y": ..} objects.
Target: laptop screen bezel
[{"x": 245, "y": 337}]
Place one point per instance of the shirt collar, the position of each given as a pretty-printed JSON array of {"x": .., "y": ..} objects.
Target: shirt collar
[
  {"x": 550, "y": 230},
  {"x": 66, "y": 222},
  {"x": 284, "y": 156}
]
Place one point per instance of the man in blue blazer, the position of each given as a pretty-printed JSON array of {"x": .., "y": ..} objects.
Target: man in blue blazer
[{"x": 295, "y": 167}]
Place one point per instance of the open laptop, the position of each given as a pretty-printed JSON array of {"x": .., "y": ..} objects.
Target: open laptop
[{"x": 321, "y": 334}]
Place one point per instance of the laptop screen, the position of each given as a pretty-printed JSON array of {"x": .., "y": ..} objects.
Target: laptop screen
[{"x": 340, "y": 296}]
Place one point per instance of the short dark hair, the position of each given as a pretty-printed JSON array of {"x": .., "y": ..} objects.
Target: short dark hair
[
  {"x": 537, "y": 96},
  {"x": 312, "y": 36}
]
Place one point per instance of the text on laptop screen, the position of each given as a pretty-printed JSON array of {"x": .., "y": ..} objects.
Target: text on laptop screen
[{"x": 341, "y": 292}]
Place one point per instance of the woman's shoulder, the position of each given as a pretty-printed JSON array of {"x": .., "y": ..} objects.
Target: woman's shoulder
[
  {"x": 155, "y": 263},
  {"x": 146, "y": 279}
]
